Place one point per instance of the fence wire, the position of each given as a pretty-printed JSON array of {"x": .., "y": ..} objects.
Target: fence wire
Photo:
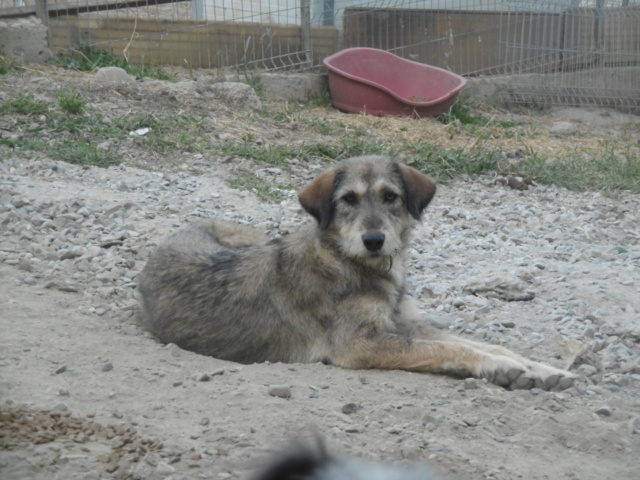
[{"x": 548, "y": 52}]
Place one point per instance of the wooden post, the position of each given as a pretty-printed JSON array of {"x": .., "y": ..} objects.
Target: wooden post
[
  {"x": 42, "y": 12},
  {"x": 305, "y": 24}
]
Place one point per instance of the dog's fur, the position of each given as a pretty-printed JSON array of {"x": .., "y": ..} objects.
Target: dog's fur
[
  {"x": 307, "y": 463},
  {"x": 332, "y": 292}
]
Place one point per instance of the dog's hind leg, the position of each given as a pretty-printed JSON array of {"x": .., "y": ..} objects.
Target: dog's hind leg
[{"x": 451, "y": 357}]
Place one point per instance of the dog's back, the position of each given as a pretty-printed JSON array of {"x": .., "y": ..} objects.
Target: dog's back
[{"x": 189, "y": 273}]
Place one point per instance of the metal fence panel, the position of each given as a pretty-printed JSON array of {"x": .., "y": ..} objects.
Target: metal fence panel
[{"x": 561, "y": 51}]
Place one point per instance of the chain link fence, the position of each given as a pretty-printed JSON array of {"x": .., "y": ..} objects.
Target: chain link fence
[{"x": 546, "y": 52}]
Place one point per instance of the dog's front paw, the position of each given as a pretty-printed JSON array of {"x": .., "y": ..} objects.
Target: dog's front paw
[{"x": 514, "y": 374}]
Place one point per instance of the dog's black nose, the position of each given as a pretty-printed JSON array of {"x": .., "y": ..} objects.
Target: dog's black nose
[{"x": 373, "y": 241}]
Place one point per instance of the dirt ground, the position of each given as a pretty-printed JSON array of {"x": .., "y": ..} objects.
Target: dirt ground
[{"x": 86, "y": 394}]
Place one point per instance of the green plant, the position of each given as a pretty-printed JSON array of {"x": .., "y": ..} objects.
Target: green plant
[
  {"x": 67, "y": 150},
  {"x": 462, "y": 112},
  {"x": 24, "y": 104},
  {"x": 264, "y": 191},
  {"x": 182, "y": 132},
  {"x": 321, "y": 125},
  {"x": 129, "y": 123},
  {"x": 71, "y": 101},
  {"x": 606, "y": 170},
  {"x": 7, "y": 64},
  {"x": 88, "y": 59},
  {"x": 81, "y": 153},
  {"x": 323, "y": 100},
  {"x": 255, "y": 82},
  {"x": 445, "y": 164}
]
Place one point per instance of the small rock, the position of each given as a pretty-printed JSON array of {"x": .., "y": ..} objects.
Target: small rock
[
  {"x": 164, "y": 469},
  {"x": 61, "y": 407},
  {"x": 587, "y": 370},
  {"x": 354, "y": 429},
  {"x": 441, "y": 322},
  {"x": 107, "y": 367},
  {"x": 113, "y": 76},
  {"x": 61, "y": 369},
  {"x": 604, "y": 411},
  {"x": 470, "y": 383},
  {"x": 91, "y": 475},
  {"x": 563, "y": 128},
  {"x": 350, "y": 408},
  {"x": 282, "y": 391},
  {"x": 68, "y": 287}
]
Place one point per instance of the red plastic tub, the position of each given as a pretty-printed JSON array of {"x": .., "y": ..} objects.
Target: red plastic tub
[{"x": 376, "y": 82}]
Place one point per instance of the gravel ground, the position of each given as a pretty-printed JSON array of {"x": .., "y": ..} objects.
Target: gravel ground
[{"x": 86, "y": 394}]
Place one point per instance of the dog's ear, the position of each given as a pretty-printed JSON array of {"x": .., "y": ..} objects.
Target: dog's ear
[
  {"x": 317, "y": 198},
  {"x": 418, "y": 189}
]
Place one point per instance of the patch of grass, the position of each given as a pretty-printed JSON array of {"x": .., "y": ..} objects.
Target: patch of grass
[
  {"x": 71, "y": 101},
  {"x": 182, "y": 133},
  {"x": 322, "y": 101},
  {"x": 321, "y": 125},
  {"x": 24, "y": 104},
  {"x": 88, "y": 59},
  {"x": 81, "y": 153},
  {"x": 66, "y": 150},
  {"x": 7, "y": 64},
  {"x": 23, "y": 144},
  {"x": 255, "y": 82},
  {"x": 445, "y": 164},
  {"x": 279, "y": 155},
  {"x": 461, "y": 113},
  {"x": 265, "y": 191},
  {"x": 74, "y": 135},
  {"x": 271, "y": 155},
  {"x": 609, "y": 170},
  {"x": 129, "y": 123},
  {"x": 82, "y": 126}
]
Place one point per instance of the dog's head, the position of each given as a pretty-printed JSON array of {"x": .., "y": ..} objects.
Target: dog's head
[{"x": 369, "y": 203}]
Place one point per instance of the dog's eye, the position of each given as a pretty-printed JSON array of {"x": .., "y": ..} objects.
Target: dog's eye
[
  {"x": 350, "y": 198},
  {"x": 390, "y": 196}
]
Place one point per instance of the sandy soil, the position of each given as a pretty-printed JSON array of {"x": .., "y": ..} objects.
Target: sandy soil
[{"x": 86, "y": 394}]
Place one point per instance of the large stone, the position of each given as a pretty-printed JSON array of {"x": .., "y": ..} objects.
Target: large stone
[
  {"x": 113, "y": 76},
  {"x": 239, "y": 96}
]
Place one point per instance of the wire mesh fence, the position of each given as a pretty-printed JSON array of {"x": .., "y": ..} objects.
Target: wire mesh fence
[{"x": 547, "y": 51}]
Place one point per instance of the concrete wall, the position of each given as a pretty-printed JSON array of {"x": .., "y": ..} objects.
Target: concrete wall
[{"x": 24, "y": 39}]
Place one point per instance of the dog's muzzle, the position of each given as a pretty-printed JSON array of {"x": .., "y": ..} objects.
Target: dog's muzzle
[{"x": 373, "y": 241}]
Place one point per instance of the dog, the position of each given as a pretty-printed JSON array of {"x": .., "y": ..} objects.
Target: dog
[
  {"x": 332, "y": 292},
  {"x": 307, "y": 463}
]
